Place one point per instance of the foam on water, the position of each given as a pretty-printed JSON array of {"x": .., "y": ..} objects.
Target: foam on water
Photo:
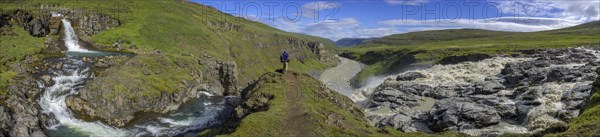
[
  {"x": 198, "y": 114},
  {"x": 71, "y": 40},
  {"x": 53, "y": 102},
  {"x": 361, "y": 94},
  {"x": 55, "y": 14},
  {"x": 464, "y": 73}
]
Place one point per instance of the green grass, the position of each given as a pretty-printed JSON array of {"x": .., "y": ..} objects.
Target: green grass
[
  {"x": 436, "y": 45},
  {"x": 13, "y": 48},
  {"x": 318, "y": 103},
  {"x": 129, "y": 79},
  {"x": 188, "y": 30},
  {"x": 415, "y": 38}
]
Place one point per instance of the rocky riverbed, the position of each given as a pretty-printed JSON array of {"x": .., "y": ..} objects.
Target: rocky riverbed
[{"x": 526, "y": 94}]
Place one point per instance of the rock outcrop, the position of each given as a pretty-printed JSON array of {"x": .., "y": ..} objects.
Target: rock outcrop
[
  {"x": 19, "y": 111},
  {"x": 500, "y": 94},
  {"x": 39, "y": 26},
  {"x": 36, "y": 26},
  {"x": 223, "y": 72},
  {"x": 118, "y": 109},
  {"x": 90, "y": 23}
]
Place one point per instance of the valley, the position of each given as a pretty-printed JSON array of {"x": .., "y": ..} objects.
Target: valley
[{"x": 183, "y": 68}]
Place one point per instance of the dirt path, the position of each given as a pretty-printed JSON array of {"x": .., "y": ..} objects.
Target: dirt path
[{"x": 296, "y": 122}]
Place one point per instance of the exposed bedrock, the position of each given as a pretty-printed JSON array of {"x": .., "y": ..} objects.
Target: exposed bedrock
[
  {"x": 118, "y": 110},
  {"x": 492, "y": 96}
]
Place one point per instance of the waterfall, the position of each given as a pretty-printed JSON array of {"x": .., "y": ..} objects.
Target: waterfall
[
  {"x": 196, "y": 115},
  {"x": 71, "y": 40},
  {"x": 67, "y": 81}
]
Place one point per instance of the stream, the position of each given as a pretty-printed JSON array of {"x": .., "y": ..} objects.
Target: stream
[
  {"x": 489, "y": 97},
  {"x": 525, "y": 94},
  {"x": 193, "y": 116}
]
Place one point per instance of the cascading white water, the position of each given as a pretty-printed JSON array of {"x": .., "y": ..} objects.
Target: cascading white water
[
  {"x": 200, "y": 114},
  {"x": 53, "y": 102},
  {"x": 552, "y": 99},
  {"x": 71, "y": 40},
  {"x": 68, "y": 80}
]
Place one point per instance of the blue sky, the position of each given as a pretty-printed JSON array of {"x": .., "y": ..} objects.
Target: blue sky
[{"x": 376, "y": 18}]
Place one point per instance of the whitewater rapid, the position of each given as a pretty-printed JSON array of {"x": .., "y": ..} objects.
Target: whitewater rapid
[
  {"x": 204, "y": 112},
  {"x": 477, "y": 98},
  {"x": 67, "y": 82},
  {"x": 489, "y": 97}
]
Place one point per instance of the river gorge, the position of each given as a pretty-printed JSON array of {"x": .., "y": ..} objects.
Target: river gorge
[
  {"x": 183, "y": 68},
  {"x": 523, "y": 94},
  {"x": 74, "y": 70}
]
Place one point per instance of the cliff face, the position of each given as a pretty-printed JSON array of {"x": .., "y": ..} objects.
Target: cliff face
[
  {"x": 101, "y": 99},
  {"x": 295, "y": 104},
  {"x": 43, "y": 23},
  {"x": 19, "y": 111},
  {"x": 174, "y": 59}
]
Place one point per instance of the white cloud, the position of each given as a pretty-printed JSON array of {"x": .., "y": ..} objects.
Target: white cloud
[
  {"x": 406, "y": 2},
  {"x": 550, "y": 14},
  {"x": 499, "y": 24},
  {"x": 343, "y": 28},
  {"x": 581, "y": 10}
]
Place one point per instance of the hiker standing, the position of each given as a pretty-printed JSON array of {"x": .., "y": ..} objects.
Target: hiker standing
[{"x": 285, "y": 60}]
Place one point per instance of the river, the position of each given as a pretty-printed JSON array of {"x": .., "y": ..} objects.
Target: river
[
  {"x": 204, "y": 112},
  {"x": 486, "y": 98}
]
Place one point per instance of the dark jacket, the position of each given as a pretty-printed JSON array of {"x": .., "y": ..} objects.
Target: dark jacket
[{"x": 284, "y": 57}]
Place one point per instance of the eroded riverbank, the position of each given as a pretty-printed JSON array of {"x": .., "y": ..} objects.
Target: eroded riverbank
[{"x": 526, "y": 94}]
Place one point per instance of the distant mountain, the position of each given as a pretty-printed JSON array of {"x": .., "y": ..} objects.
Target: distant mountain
[
  {"x": 349, "y": 42},
  {"x": 389, "y": 53},
  {"x": 436, "y": 36},
  {"x": 422, "y": 37}
]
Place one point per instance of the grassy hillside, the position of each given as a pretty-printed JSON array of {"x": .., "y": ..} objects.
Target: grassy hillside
[
  {"x": 303, "y": 106},
  {"x": 15, "y": 45},
  {"x": 430, "y": 46},
  {"x": 181, "y": 31},
  {"x": 422, "y": 37}
]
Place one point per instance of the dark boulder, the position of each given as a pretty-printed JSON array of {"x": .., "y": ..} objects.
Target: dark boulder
[
  {"x": 5, "y": 121},
  {"x": 39, "y": 28},
  {"x": 574, "y": 98},
  {"x": 557, "y": 74},
  {"x": 405, "y": 123},
  {"x": 410, "y": 76},
  {"x": 487, "y": 87},
  {"x": 461, "y": 113}
]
